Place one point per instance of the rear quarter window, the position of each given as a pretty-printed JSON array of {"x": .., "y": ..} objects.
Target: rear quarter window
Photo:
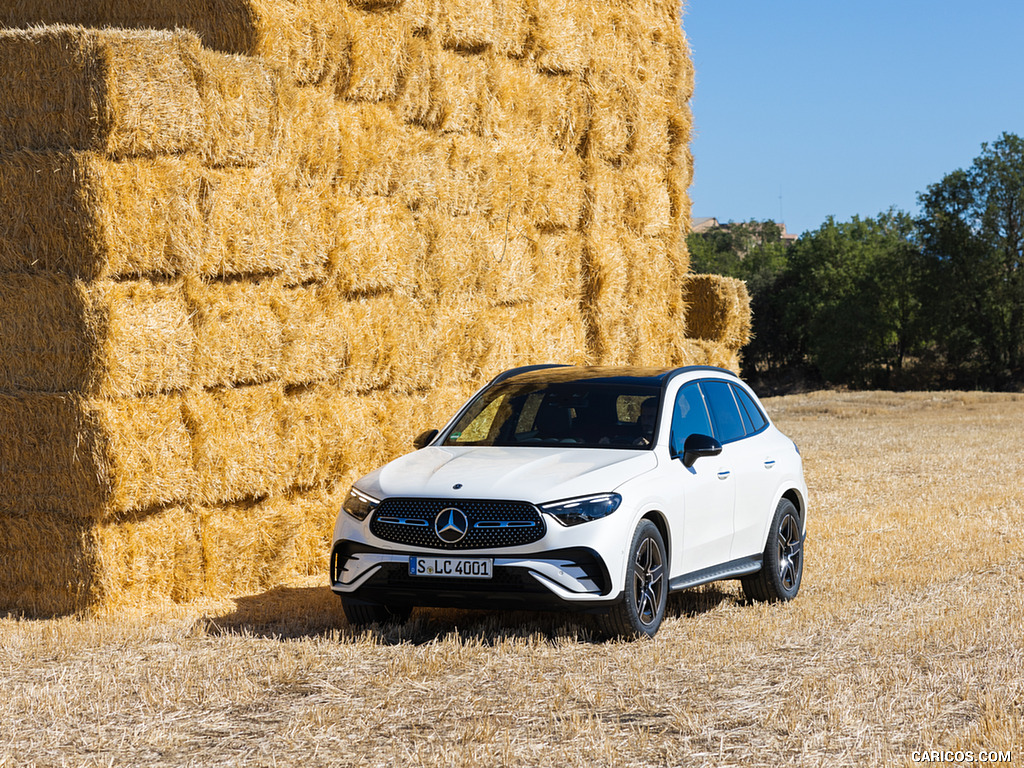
[
  {"x": 753, "y": 412},
  {"x": 724, "y": 410}
]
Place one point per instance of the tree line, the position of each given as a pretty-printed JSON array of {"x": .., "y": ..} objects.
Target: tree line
[{"x": 894, "y": 301}]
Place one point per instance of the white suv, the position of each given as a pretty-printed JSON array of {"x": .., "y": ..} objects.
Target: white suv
[{"x": 591, "y": 489}]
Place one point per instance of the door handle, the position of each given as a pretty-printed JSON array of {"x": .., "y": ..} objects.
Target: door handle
[
  {"x": 723, "y": 474},
  {"x": 769, "y": 463}
]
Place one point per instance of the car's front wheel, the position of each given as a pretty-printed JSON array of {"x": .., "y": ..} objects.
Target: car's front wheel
[
  {"x": 782, "y": 566},
  {"x": 646, "y": 589},
  {"x": 361, "y": 614}
]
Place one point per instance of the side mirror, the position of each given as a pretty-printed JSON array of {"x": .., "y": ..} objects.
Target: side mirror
[
  {"x": 424, "y": 439},
  {"x": 699, "y": 446}
]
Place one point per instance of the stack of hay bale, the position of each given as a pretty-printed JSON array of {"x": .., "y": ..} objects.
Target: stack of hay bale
[{"x": 243, "y": 263}]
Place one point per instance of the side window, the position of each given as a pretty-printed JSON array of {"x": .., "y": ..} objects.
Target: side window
[
  {"x": 689, "y": 417},
  {"x": 758, "y": 420},
  {"x": 723, "y": 407}
]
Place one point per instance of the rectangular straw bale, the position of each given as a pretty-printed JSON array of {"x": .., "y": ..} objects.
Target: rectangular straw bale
[
  {"x": 108, "y": 338},
  {"x": 243, "y": 98},
  {"x": 605, "y": 195},
  {"x": 120, "y": 93},
  {"x": 703, "y": 352},
  {"x": 52, "y": 453},
  {"x": 511, "y": 187},
  {"x": 655, "y": 316},
  {"x": 467, "y": 25},
  {"x": 512, "y": 27},
  {"x": 398, "y": 418},
  {"x": 307, "y": 39},
  {"x": 145, "y": 342},
  {"x": 560, "y": 37},
  {"x": 47, "y": 564},
  {"x": 242, "y": 216},
  {"x": 612, "y": 119},
  {"x": 462, "y": 90},
  {"x": 647, "y": 200},
  {"x": 458, "y": 261},
  {"x": 239, "y": 334},
  {"x": 315, "y": 342},
  {"x": 557, "y": 182},
  {"x": 552, "y": 331},
  {"x": 374, "y": 149},
  {"x": 605, "y": 274},
  {"x": 680, "y": 169},
  {"x": 380, "y": 55},
  {"x": 328, "y": 432},
  {"x": 86, "y": 216},
  {"x": 418, "y": 178},
  {"x": 376, "y": 245},
  {"x": 316, "y": 511},
  {"x": 560, "y": 262},
  {"x": 310, "y": 135},
  {"x": 388, "y": 346},
  {"x": 48, "y": 340},
  {"x": 512, "y": 246},
  {"x": 534, "y": 103},
  {"x": 420, "y": 103},
  {"x": 467, "y": 167},
  {"x": 423, "y": 14},
  {"x": 148, "y": 451},
  {"x": 145, "y": 559},
  {"x": 718, "y": 310},
  {"x": 237, "y": 444},
  {"x": 681, "y": 71},
  {"x": 92, "y": 457},
  {"x": 249, "y": 546},
  {"x": 306, "y": 234},
  {"x": 458, "y": 338}
]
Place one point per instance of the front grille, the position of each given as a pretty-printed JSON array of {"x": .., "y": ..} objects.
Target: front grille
[{"x": 491, "y": 524}]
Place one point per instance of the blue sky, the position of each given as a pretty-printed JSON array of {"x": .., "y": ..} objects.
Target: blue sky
[{"x": 809, "y": 108}]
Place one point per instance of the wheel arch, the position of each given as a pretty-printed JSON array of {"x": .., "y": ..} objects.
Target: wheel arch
[
  {"x": 799, "y": 502},
  {"x": 661, "y": 523}
]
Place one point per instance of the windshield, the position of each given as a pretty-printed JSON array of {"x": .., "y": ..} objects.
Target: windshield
[{"x": 583, "y": 414}]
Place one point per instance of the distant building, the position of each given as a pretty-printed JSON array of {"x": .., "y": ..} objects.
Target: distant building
[{"x": 702, "y": 224}]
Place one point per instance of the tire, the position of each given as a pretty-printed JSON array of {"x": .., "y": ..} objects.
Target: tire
[
  {"x": 782, "y": 567},
  {"x": 364, "y": 614},
  {"x": 646, "y": 589}
]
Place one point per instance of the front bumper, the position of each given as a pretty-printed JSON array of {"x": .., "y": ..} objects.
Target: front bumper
[{"x": 566, "y": 579}]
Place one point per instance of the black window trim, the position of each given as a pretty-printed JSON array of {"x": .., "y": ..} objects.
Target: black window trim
[
  {"x": 764, "y": 416},
  {"x": 739, "y": 406}
]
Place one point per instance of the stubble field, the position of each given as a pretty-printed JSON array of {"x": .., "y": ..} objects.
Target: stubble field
[{"x": 908, "y": 636}]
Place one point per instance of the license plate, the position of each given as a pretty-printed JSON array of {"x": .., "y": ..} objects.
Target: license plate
[{"x": 452, "y": 567}]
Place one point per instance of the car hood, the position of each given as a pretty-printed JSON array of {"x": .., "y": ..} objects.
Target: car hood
[{"x": 536, "y": 475}]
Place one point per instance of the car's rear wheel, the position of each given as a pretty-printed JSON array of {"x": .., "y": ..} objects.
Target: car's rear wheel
[
  {"x": 646, "y": 590},
  {"x": 782, "y": 566},
  {"x": 360, "y": 614}
]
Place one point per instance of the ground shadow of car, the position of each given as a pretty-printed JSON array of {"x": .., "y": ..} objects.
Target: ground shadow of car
[{"x": 298, "y": 612}]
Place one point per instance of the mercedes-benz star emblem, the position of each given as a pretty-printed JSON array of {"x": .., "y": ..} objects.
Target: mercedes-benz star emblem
[{"x": 451, "y": 525}]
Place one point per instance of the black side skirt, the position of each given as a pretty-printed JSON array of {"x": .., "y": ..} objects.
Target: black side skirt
[{"x": 731, "y": 570}]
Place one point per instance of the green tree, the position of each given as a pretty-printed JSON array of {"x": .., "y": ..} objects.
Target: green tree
[
  {"x": 972, "y": 232},
  {"x": 854, "y": 295}
]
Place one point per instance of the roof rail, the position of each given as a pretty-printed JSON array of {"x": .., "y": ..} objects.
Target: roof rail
[{"x": 524, "y": 369}]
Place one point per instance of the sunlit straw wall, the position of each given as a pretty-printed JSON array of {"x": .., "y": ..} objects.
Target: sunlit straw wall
[{"x": 249, "y": 248}]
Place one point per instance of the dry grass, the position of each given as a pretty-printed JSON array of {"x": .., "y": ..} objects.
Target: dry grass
[{"x": 906, "y": 636}]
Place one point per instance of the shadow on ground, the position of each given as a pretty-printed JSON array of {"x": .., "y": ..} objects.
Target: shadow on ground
[{"x": 302, "y": 612}]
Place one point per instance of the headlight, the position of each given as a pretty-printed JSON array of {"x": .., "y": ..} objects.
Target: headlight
[
  {"x": 583, "y": 510},
  {"x": 358, "y": 504}
]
